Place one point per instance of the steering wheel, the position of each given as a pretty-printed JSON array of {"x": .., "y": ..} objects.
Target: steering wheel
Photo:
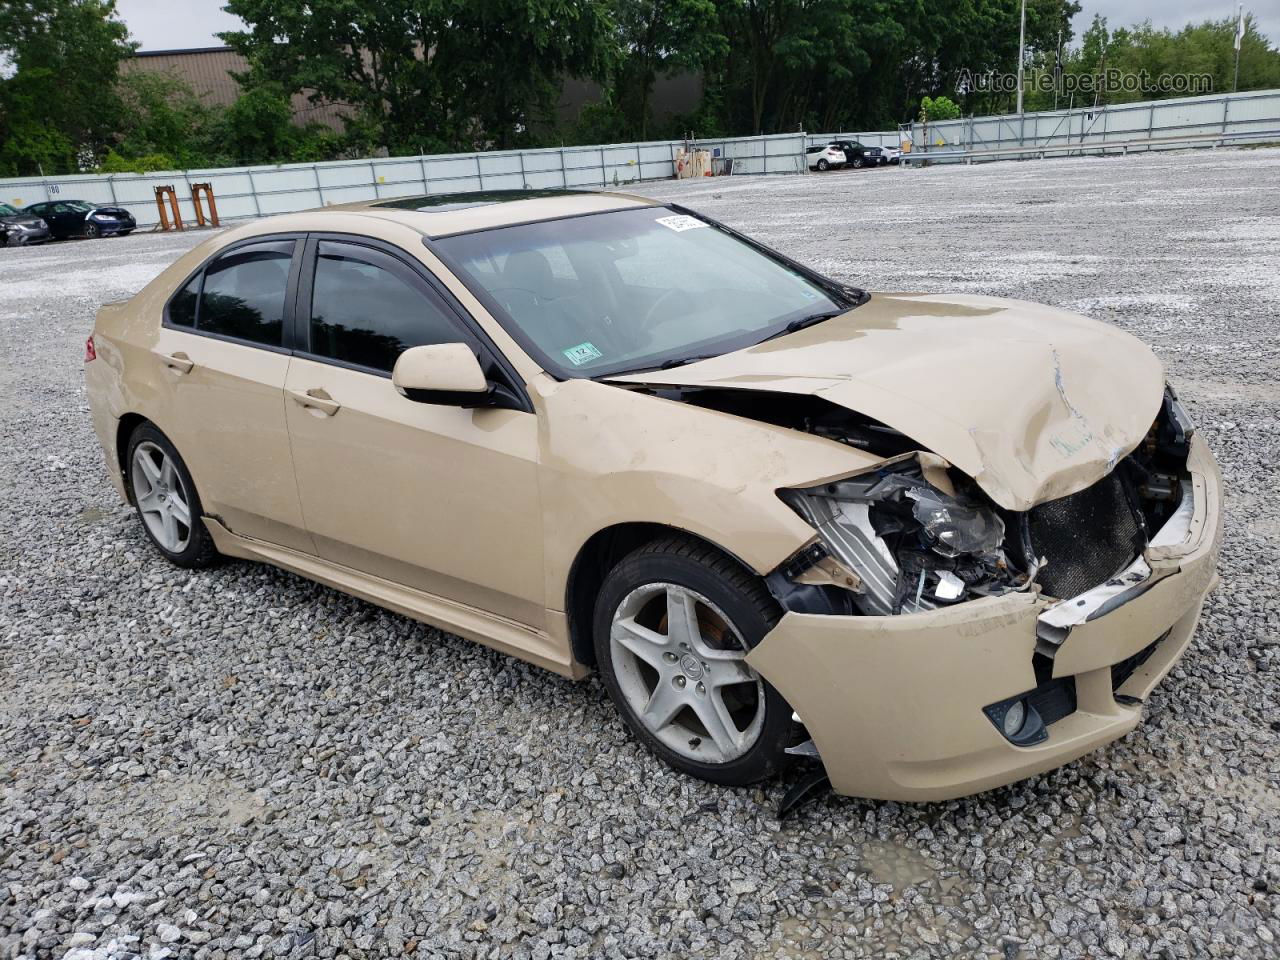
[{"x": 648, "y": 321}]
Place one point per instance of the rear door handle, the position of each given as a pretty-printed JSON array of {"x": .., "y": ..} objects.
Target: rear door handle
[
  {"x": 179, "y": 361},
  {"x": 316, "y": 399}
]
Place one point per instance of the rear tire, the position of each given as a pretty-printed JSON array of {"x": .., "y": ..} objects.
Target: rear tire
[
  {"x": 673, "y": 624},
  {"x": 857, "y": 162},
  {"x": 166, "y": 500},
  {"x": 823, "y": 165}
]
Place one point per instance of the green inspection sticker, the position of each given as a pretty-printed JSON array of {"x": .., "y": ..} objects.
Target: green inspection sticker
[{"x": 582, "y": 353}]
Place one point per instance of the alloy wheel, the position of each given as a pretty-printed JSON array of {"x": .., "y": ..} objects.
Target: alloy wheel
[
  {"x": 681, "y": 667},
  {"x": 162, "y": 497}
]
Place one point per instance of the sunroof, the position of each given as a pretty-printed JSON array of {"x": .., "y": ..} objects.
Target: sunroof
[{"x": 440, "y": 202}]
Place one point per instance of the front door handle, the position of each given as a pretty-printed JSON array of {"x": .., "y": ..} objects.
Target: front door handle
[
  {"x": 316, "y": 399},
  {"x": 179, "y": 361}
]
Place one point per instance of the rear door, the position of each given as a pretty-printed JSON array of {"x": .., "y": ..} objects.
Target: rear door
[
  {"x": 223, "y": 357},
  {"x": 438, "y": 498}
]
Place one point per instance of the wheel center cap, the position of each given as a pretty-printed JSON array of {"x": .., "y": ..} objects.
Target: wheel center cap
[{"x": 691, "y": 666}]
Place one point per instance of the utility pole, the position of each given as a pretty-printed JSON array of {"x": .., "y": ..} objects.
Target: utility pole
[
  {"x": 1057, "y": 70},
  {"x": 1022, "y": 41},
  {"x": 1235, "y": 84}
]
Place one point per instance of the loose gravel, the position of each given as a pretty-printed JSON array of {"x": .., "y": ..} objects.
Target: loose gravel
[{"x": 240, "y": 763}]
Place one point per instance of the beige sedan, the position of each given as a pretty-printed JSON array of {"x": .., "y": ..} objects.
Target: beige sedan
[{"x": 935, "y": 543}]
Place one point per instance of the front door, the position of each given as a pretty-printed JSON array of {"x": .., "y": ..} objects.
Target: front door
[
  {"x": 437, "y": 498},
  {"x": 220, "y": 366}
]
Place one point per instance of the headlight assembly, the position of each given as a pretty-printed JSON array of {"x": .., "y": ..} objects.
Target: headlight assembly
[{"x": 914, "y": 546}]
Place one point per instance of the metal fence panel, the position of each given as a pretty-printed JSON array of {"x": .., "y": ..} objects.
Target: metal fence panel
[
  {"x": 1238, "y": 117},
  {"x": 252, "y": 191}
]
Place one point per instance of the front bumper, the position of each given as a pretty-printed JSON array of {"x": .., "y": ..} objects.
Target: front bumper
[
  {"x": 895, "y": 704},
  {"x": 25, "y": 236}
]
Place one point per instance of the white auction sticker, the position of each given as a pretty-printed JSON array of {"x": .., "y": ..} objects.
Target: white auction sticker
[{"x": 680, "y": 222}]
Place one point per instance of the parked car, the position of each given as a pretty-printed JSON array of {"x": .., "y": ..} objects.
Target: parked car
[
  {"x": 17, "y": 227},
  {"x": 938, "y": 541},
  {"x": 825, "y": 157},
  {"x": 858, "y": 155},
  {"x": 892, "y": 154},
  {"x": 80, "y": 218}
]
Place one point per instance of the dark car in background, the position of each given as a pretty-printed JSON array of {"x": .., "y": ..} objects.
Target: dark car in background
[
  {"x": 860, "y": 155},
  {"x": 18, "y": 227},
  {"x": 80, "y": 218}
]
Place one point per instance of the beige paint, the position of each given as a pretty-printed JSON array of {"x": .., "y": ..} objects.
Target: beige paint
[
  {"x": 1009, "y": 392},
  {"x": 894, "y": 703},
  {"x": 439, "y": 366},
  {"x": 472, "y": 519}
]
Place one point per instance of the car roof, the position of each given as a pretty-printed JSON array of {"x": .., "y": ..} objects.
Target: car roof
[{"x": 446, "y": 214}]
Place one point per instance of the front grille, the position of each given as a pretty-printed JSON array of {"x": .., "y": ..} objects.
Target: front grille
[
  {"x": 1054, "y": 699},
  {"x": 1122, "y": 671},
  {"x": 1086, "y": 538}
]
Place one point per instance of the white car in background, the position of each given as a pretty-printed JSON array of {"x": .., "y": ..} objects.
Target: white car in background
[{"x": 825, "y": 157}]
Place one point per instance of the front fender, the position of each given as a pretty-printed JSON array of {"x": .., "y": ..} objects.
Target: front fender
[{"x": 610, "y": 455}]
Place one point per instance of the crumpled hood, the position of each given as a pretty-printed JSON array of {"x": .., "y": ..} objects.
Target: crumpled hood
[{"x": 1033, "y": 402}]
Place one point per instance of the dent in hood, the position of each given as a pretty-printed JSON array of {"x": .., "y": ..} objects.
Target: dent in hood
[{"x": 1033, "y": 402}]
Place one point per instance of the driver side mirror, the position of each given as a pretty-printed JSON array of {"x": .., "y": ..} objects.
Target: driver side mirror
[{"x": 443, "y": 373}]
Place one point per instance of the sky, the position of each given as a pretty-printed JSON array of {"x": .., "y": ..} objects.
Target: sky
[{"x": 181, "y": 24}]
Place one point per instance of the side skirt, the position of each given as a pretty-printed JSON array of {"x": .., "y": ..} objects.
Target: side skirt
[{"x": 502, "y": 635}]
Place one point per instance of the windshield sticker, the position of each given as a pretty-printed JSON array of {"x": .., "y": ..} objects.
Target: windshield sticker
[
  {"x": 680, "y": 222},
  {"x": 582, "y": 353}
]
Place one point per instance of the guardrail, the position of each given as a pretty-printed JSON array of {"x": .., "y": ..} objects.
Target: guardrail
[{"x": 1042, "y": 151}]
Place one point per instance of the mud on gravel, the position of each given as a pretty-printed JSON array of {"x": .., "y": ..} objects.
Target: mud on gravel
[{"x": 240, "y": 763}]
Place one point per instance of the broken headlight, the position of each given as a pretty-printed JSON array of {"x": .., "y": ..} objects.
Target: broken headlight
[{"x": 913, "y": 545}]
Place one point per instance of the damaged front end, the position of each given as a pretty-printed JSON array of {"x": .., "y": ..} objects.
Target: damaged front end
[
  {"x": 913, "y": 544},
  {"x": 913, "y": 534}
]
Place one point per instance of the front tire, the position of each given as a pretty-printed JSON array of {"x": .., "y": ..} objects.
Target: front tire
[
  {"x": 92, "y": 231},
  {"x": 673, "y": 625},
  {"x": 823, "y": 165},
  {"x": 166, "y": 500}
]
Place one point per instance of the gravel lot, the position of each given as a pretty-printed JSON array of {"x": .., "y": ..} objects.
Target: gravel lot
[{"x": 239, "y": 763}]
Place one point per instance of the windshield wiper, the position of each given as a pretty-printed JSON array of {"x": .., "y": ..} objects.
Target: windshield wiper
[
  {"x": 801, "y": 322},
  {"x": 808, "y": 321},
  {"x": 681, "y": 361}
]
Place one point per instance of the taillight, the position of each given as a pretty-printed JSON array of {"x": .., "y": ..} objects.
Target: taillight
[{"x": 90, "y": 352}]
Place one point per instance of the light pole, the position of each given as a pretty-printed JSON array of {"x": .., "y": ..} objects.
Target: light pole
[
  {"x": 1022, "y": 40},
  {"x": 1235, "y": 83}
]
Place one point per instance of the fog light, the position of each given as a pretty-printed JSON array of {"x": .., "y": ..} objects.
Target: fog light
[
  {"x": 1014, "y": 718},
  {"x": 1018, "y": 721}
]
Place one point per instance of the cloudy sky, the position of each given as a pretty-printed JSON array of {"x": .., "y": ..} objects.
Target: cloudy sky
[{"x": 178, "y": 24}]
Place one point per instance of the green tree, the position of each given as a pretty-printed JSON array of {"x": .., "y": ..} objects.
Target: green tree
[
  {"x": 162, "y": 116},
  {"x": 659, "y": 36},
  {"x": 429, "y": 74},
  {"x": 938, "y": 108},
  {"x": 60, "y": 98}
]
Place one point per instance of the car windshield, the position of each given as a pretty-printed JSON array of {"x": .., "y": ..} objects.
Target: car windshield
[
  {"x": 8, "y": 211},
  {"x": 632, "y": 289},
  {"x": 80, "y": 206}
]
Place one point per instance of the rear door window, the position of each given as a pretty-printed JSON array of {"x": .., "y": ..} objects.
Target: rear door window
[
  {"x": 367, "y": 308},
  {"x": 244, "y": 293},
  {"x": 182, "y": 308}
]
